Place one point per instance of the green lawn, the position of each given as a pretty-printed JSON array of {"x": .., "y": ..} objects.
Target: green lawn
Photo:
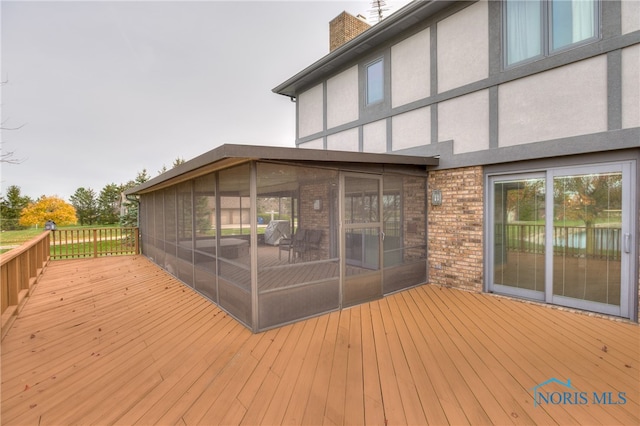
[
  {"x": 14, "y": 238},
  {"x": 10, "y": 239}
]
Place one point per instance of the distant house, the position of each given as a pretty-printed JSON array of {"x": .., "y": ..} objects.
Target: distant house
[
  {"x": 491, "y": 146},
  {"x": 533, "y": 109}
]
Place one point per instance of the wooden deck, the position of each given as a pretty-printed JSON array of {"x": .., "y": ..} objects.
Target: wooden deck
[{"x": 118, "y": 341}]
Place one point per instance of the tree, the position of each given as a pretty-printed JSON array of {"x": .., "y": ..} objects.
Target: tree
[
  {"x": 8, "y": 156},
  {"x": 86, "y": 205},
  {"x": 588, "y": 198},
  {"x": 175, "y": 164},
  {"x": 10, "y": 207},
  {"x": 129, "y": 216},
  {"x": 48, "y": 208},
  {"x": 109, "y": 204},
  {"x": 141, "y": 178}
]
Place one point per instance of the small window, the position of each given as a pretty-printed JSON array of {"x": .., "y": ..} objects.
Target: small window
[
  {"x": 537, "y": 28},
  {"x": 375, "y": 82}
]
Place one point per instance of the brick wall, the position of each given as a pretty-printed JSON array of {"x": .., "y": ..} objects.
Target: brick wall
[
  {"x": 456, "y": 228},
  {"x": 310, "y": 218},
  {"x": 414, "y": 224},
  {"x": 343, "y": 28}
]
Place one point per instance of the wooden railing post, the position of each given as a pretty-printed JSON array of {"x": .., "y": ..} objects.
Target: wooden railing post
[{"x": 95, "y": 243}]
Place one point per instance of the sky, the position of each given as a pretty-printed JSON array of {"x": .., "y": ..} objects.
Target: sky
[{"x": 94, "y": 92}]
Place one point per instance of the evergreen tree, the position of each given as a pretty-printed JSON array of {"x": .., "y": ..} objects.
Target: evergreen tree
[
  {"x": 11, "y": 206},
  {"x": 86, "y": 205},
  {"x": 129, "y": 216},
  {"x": 109, "y": 204}
]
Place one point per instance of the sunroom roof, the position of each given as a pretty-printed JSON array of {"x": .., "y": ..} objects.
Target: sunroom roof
[{"x": 228, "y": 155}]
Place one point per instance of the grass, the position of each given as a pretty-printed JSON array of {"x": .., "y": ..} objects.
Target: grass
[
  {"x": 15, "y": 238},
  {"x": 86, "y": 249},
  {"x": 10, "y": 239}
]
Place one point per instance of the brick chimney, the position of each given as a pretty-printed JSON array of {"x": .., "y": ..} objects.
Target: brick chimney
[{"x": 345, "y": 27}]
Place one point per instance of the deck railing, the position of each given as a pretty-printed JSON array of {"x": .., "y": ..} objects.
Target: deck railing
[
  {"x": 569, "y": 240},
  {"x": 81, "y": 243},
  {"x": 20, "y": 269}
]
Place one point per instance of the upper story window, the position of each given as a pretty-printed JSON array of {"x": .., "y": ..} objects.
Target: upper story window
[
  {"x": 537, "y": 28},
  {"x": 375, "y": 82}
]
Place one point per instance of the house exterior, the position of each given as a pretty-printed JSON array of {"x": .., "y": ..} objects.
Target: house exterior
[{"x": 533, "y": 110}]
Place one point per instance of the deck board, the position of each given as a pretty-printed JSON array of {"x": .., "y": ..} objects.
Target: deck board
[{"x": 119, "y": 341}]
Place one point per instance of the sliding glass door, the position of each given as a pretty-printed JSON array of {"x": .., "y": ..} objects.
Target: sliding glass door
[
  {"x": 563, "y": 236},
  {"x": 519, "y": 224},
  {"x": 591, "y": 238}
]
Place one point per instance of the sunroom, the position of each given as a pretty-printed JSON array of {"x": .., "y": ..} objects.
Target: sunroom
[{"x": 274, "y": 235}]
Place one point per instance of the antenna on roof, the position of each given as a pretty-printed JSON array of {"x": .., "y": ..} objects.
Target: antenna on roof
[{"x": 378, "y": 7}]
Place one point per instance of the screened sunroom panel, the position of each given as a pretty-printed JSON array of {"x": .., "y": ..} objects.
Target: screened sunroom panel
[
  {"x": 404, "y": 227},
  {"x": 184, "y": 204},
  {"x": 158, "y": 228},
  {"x": 205, "y": 237},
  {"x": 234, "y": 258},
  {"x": 145, "y": 212},
  {"x": 298, "y": 267},
  {"x": 170, "y": 249}
]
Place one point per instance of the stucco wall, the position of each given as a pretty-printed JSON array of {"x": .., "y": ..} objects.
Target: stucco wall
[
  {"x": 344, "y": 141},
  {"x": 310, "y": 114},
  {"x": 374, "y": 136},
  {"x": 631, "y": 86},
  {"x": 554, "y": 104},
  {"x": 465, "y": 120},
  {"x": 463, "y": 47},
  {"x": 314, "y": 144},
  {"x": 630, "y": 16},
  {"x": 410, "y": 69},
  {"x": 411, "y": 129},
  {"x": 342, "y": 98}
]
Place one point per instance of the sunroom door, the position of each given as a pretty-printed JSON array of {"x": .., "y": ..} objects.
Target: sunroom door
[
  {"x": 564, "y": 236},
  {"x": 362, "y": 231}
]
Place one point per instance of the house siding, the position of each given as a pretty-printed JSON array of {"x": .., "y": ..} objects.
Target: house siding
[
  {"x": 411, "y": 69},
  {"x": 557, "y": 99},
  {"x": 631, "y": 86},
  {"x": 342, "y": 98},
  {"x": 463, "y": 47},
  {"x": 450, "y": 95},
  {"x": 310, "y": 112},
  {"x": 630, "y": 14}
]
